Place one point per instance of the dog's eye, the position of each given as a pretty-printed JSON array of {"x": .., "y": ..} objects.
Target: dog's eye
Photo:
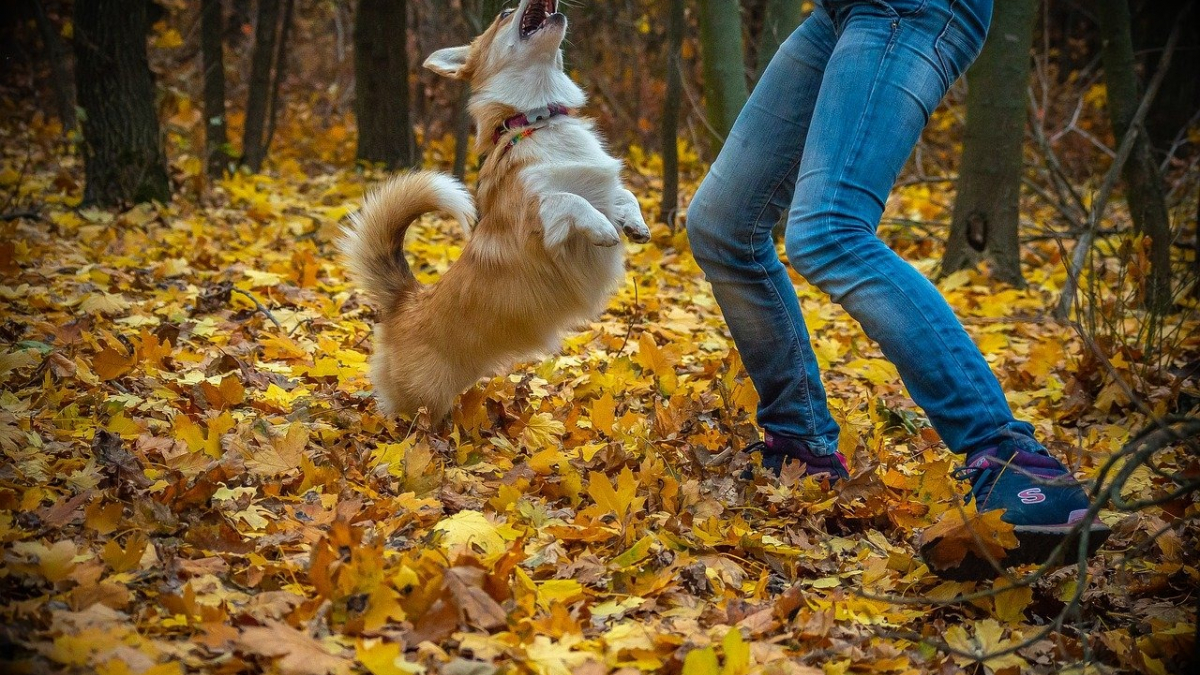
[{"x": 506, "y": 13}]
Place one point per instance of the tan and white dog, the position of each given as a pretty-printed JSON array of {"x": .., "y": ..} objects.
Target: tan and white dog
[{"x": 543, "y": 257}]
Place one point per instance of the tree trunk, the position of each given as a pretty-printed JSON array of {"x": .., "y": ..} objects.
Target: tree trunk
[
  {"x": 285, "y": 32},
  {"x": 56, "y": 55},
  {"x": 670, "y": 119},
  {"x": 123, "y": 153},
  {"x": 239, "y": 18},
  {"x": 780, "y": 19},
  {"x": 1179, "y": 97},
  {"x": 987, "y": 208},
  {"x": 216, "y": 138},
  {"x": 478, "y": 16},
  {"x": 381, "y": 101},
  {"x": 1196, "y": 284},
  {"x": 1143, "y": 185},
  {"x": 462, "y": 130},
  {"x": 724, "y": 65},
  {"x": 258, "y": 99}
]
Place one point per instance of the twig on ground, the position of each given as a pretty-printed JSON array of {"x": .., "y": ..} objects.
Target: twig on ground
[
  {"x": 265, "y": 312},
  {"x": 34, "y": 215},
  {"x": 632, "y": 317}
]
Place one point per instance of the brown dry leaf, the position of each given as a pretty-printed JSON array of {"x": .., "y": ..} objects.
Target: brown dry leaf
[
  {"x": 961, "y": 531},
  {"x": 111, "y": 363},
  {"x": 298, "y": 653},
  {"x": 478, "y": 608},
  {"x": 282, "y": 455}
]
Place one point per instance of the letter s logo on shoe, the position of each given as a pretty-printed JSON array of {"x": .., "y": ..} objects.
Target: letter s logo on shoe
[{"x": 1031, "y": 496}]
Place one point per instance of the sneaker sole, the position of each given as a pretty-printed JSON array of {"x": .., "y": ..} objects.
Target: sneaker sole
[{"x": 1036, "y": 543}]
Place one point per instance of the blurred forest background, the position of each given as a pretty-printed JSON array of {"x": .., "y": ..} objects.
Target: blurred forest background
[{"x": 1056, "y": 95}]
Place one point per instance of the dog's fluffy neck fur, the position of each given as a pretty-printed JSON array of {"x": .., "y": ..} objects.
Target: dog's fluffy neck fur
[{"x": 513, "y": 93}]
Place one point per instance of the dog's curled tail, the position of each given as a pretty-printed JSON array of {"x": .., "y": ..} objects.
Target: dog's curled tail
[{"x": 373, "y": 243}]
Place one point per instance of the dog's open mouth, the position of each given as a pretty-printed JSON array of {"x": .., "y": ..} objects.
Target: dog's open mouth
[{"x": 536, "y": 16}]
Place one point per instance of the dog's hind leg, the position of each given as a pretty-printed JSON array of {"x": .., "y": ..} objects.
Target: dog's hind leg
[
  {"x": 628, "y": 216},
  {"x": 564, "y": 213}
]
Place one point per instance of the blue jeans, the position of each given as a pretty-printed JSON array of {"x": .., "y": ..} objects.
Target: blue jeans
[{"x": 824, "y": 134}]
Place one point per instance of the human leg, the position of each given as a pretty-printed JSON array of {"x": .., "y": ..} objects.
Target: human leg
[
  {"x": 883, "y": 81},
  {"x": 884, "y": 78},
  {"x": 729, "y": 226}
]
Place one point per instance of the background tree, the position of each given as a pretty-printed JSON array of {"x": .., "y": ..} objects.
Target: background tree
[
  {"x": 780, "y": 18},
  {"x": 670, "y": 116},
  {"x": 724, "y": 65},
  {"x": 56, "y": 56},
  {"x": 122, "y": 149},
  {"x": 478, "y": 16},
  {"x": 986, "y": 219},
  {"x": 281, "y": 51},
  {"x": 1178, "y": 100},
  {"x": 381, "y": 100},
  {"x": 1144, "y": 187},
  {"x": 254, "y": 149},
  {"x": 212, "y": 50}
]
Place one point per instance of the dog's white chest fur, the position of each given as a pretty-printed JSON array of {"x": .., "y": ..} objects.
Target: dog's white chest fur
[{"x": 569, "y": 158}]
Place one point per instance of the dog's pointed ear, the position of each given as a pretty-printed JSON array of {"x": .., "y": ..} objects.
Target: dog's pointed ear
[{"x": 450, "y": 62}]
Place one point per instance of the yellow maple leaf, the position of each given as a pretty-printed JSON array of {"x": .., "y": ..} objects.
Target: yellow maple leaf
[
  {"x": 604, "y": 410},
  {"x": 981, "y": 647},
  {"x": 619, "y": 499},
  {"x": 556, "y": 657},
  {"x": 281, "y": 455},
  {"x": 737, "y": 653},
  {"x": 473, "y": 530},
  {"x": 104, "y": 303},
  {"x": 658, "y": 360},
  {"x": 1010, "y": 603},
  {"x": 385, "y": 658},
  {"x": 541, "y": 431},
  {"x": 701, "y": 662},
  {"x": 55, "y": 562}
]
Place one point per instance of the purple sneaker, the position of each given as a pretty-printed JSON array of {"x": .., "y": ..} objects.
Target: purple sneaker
[
  {"x": 779, "y": 450},
  {"x": 1044, "y": 503}
]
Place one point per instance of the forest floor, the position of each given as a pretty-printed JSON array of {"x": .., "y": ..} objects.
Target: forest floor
[{"x": 195, "y": 477}]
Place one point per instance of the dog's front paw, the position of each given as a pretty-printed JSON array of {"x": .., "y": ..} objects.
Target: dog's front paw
[
  {"x": 636, "y": 230},
  {"x": 605, "y": 237}
]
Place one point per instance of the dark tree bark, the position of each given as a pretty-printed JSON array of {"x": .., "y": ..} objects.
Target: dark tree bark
[
  {"x": 258, "y": 99},
  {"x": 478, "y": 16},
  {"x": 724, "y": 65},
  {"x": 1144, "y": 186},
  {"x": 987, "y": 208},
  {"x": 123, "y": 152},
  {"x": 381, "y": 103},
  {"x": 56, "y": 55},
  {"x": 239, "y": 18},
  {"x": 285, "y": 32},
  {"x": 670, "y": 119},
  {"x": 779, "y": 20},
  {"x": 462, "y": 130},
  {"x": 1179, "y": 98},
  {"x": 1196, "y": 287},
  {"x": 216, "y": 138}
]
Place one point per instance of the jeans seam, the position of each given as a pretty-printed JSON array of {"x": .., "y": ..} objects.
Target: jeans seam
[
  {"x": 794, "y": 343},
  {"x": 835, "y": 193}
]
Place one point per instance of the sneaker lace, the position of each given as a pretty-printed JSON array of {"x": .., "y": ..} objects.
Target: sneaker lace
[{"x": 981, "y": 478}]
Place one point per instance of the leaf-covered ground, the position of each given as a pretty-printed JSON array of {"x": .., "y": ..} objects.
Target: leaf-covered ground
[{"x": 196, "y": 479}]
